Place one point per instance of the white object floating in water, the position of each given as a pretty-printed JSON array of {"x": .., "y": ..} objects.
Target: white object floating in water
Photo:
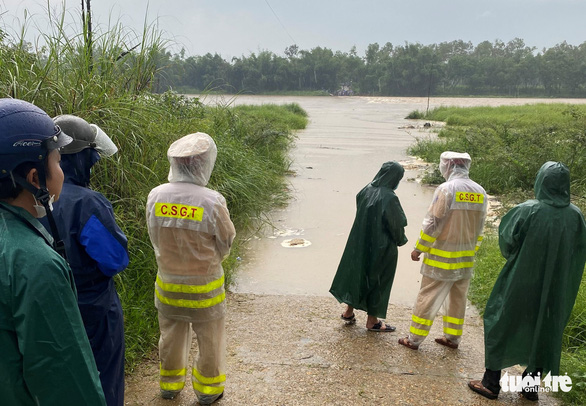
[{"x": 296, "y": 243}]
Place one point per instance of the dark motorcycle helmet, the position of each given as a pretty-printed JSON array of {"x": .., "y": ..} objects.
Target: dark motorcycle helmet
[{"x": 27, "y": 134}]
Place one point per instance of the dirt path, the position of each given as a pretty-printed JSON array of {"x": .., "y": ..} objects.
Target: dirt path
[{"x": 294, "y": 350}]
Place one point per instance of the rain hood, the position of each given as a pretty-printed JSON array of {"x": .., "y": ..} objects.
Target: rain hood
[
  {"x": 552, "y": 185},
  {"x": 192, "y": 159}
]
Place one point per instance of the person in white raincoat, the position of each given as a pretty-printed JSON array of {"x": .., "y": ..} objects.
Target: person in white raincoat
[
  {"x": 450, "y": 236},
  {"x": 190, "y": 228}
]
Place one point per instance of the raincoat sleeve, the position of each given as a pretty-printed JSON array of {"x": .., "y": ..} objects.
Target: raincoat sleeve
[
  {"x": 396, "y": 222},
  {"x": 511, "y": 233},
  {"x": 434, "y": 219},
  {"x": 55, "y": 349},
  {"x": 103, "y": 240},
  {"x": 225, "y": 231}
]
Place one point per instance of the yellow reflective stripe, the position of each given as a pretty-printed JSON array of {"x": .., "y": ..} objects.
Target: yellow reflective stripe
[
  {"x": 421, "y": 248},
  {"x": 477, "y": 248},
  {"x": 451, "y": 254},
  {"x": 452, "y": 332},
  {"x": 426, "y": 237},
  {"x": 172, "y": 386},
  {"x": 418, "y": 331},
  {"x": 206, "y": 380},
  {"x": 480, "y": 238},
  {"x": 445, "y": 265},
  {"x": 177, "y": 288},
  {"x": 172, "y": 372},
  {"x": 208, "y": 390},
  {"x": 419, "y": 320},
  {"x": 192, "y": 304},
  {"x": 453, "y": 320}
]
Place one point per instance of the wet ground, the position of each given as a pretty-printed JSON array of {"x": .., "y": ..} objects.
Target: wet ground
[
  {"x": 286, "y": 343},
  {"x": 294, "y": 350}
]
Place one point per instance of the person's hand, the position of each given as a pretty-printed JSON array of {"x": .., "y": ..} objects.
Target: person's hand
[{"x": 415, "y": 255}]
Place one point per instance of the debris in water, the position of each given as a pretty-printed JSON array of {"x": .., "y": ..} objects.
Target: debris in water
[{"x": 296, "y": 243}]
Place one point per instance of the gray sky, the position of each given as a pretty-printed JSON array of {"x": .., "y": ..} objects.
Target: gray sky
[{"x": 239, "y": 27}]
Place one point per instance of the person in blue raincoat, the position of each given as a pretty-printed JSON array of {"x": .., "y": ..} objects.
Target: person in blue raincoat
[
  {"x": 45, "y": 356},
  {"x": 367, "y": 269},
  {"x": 96, "y": 250}
]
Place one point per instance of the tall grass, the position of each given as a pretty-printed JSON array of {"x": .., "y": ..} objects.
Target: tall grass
[
  {"x": 111, "y": 89},
  {"x": 508, "y": 145}
]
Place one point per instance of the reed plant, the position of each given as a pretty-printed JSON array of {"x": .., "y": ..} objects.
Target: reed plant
[{"x": 111, "y": 88}]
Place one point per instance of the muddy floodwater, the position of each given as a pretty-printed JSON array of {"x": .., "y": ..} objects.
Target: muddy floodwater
[{"x": 342, "y": 148}]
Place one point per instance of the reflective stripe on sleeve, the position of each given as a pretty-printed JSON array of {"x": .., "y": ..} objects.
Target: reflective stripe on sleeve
[
  {"x": 421, "y": 321},
  {"x": 192, "y": 304},
  {"x": 426, "y": 237},
  {"x": 453, "y": 320},
  {"x": 421, "y": 248},
  {"x": 178, "y": 288}
]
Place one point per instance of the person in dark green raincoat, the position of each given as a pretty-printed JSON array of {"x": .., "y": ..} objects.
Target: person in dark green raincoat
[
  {"x": 45, "y": 355},
  {"x": 544, "y": 242},
  {"x": 367, "y": 268}
]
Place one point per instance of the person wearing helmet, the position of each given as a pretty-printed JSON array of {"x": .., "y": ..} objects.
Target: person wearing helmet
[
  {"x": 367, "y": 269},
  {"x": 450, "y": 236},
  {"x": 544, "y": 243},
  {"x": 96, "y": 249},
  {"x": 46, "y": 357},
  {"x": 191, "y": 232}
]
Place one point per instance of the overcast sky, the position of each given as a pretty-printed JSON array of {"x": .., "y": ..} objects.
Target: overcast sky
[{"x": 240, "y": 27}]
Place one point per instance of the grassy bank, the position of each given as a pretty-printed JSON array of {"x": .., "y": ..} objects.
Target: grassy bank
[
  {"x": 508, "y": 146},
  {"x": 110, "y": 88}
]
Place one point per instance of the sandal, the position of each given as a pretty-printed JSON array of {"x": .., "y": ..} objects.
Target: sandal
[
  {"x": 405, "y": 341},
  {"x": 378, "y": 327},
  {"x": 447, "y": 343},
  {"x": 477, "y": 387},
  {"x": 349, "y": 320}
]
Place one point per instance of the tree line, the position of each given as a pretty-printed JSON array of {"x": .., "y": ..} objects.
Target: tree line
[{"x": 446, "y": 69}]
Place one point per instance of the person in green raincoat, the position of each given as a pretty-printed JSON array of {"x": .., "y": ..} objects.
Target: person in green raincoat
[
  {"x": 46, "y": 358},
  {"x": 544, "y": 243},
  {"x": 367, "y": 268}
]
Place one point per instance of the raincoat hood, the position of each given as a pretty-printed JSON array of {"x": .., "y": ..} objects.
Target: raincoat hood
[
  {"x": 77, "y": 167},
  {"x": 192, "y": 159},
  {"x": 389, "y": 175},
  {"x": 454, "y": 164},
  {"x": 552, "y": 185}
]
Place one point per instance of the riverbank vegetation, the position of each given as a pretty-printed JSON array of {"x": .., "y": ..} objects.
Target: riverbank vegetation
[
  {"x": 508, "y": 145},
  {"x": 112, "y": 88},
  {"x": 456, "y": 68}
]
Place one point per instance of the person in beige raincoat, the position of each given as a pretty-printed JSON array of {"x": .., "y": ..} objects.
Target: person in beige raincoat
[
  {"x": 450, "y": 236},
  {"x": 191, "y": 232}
]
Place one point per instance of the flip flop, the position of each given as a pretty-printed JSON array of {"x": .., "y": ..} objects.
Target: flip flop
[
  {"x": 447, "y": 343},
  {"x": 378, "y": 327},
  {"x": 405, "y": 341},
  {"x": 349, "y": 320},
  {"x": 477, "y": 387}
]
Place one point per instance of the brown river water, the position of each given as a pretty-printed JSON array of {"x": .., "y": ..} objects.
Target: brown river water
[{"x": 341, "y": 150}]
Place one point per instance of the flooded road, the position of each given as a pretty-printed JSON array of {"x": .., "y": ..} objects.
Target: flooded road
[{"x": 343, "y": 147}]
